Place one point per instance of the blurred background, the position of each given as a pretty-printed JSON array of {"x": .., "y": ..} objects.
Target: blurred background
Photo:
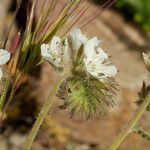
[{"x": 125, "y": 32}]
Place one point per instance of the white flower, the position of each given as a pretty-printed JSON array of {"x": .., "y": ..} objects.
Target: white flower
[
  {"x": 77, "y": 38},
  {"x": 55, "y": 52},
  {"x": 95, "y": 59},
  {"x": 4, "y": 58}
]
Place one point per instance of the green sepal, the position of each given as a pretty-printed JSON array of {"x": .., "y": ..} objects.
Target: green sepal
[
  {"x": 79, "y": 56},
  {"x": 85, "y": 96}
]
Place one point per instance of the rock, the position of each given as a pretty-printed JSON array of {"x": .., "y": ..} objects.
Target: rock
[
  {"x": 3, "y": 144},
  {"x": 16, "y": 140}
]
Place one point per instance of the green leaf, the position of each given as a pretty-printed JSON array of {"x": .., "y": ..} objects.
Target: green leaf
[{"x": 144, "y": 134}]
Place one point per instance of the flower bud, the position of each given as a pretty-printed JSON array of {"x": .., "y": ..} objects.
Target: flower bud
[{"x": 146, "y": 60}]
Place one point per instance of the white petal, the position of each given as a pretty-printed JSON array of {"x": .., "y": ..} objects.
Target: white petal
[
  {"x": 45, "y": 48},
  {"x": 54, "y": 52},
  {"x": 108, "y": 71},
  {"x": 56, "y": 45},
  {"x": 57, "y": 62},
  {"x": 95, "y": 41},
  {"x": 4, "y": 56},
  {"x": 99, "y": 70},
  {"x": 102, "y": 55},
  {"x": 90, "y": 47},
  {"x": 1, "y": 74},
  {"x": 77, "y": 38}
]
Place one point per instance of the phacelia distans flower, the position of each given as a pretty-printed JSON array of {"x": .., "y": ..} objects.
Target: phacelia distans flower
[
  {"x": 95, "y": 59},
  {"x": 55, "y": 52},
  {"x": 90, "y": 88}
]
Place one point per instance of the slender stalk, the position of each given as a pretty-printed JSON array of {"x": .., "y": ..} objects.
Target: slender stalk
[
  {"x": 6, "y": 105},
  {"x": 3, "y": 96},
  {"x": 42, "y": 115},
  {"x": 131, "y": 124}
]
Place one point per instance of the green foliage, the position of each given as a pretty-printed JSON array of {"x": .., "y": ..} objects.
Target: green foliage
[
  {"x": 138, "y": 130},
  {"x": 85, "y": 95},
  {"x": 4, "y": 94},
  {"x": 42, "y": 32},
  {"x": 138, "y": 9}
]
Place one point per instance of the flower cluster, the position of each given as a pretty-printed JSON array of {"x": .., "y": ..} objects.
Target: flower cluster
[
  {"x": 95, "y": 59},
  {"x": 90, "y": 85}
]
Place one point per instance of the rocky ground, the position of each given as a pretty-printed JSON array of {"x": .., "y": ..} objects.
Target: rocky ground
[{"x": 124, "y": 41}]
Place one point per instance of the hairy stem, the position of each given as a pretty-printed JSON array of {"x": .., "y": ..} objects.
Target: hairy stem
[
  {"x": 131, "y": 124},
  {"x": 42, "y": 115},
  {"x": 6, "y": 105},
  {"x": 3, "y": 96}
]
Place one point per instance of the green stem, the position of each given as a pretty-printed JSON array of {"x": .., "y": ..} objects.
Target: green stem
[
  {"x": 131, "y": 124},
  {"x": 3, "y": 96},
  {"x": 7, "y": 104},
  {"x": 42, "y": 115}
]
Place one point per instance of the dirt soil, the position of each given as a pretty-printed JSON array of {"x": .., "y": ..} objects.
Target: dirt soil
[{"x": 124, "y": 41}]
